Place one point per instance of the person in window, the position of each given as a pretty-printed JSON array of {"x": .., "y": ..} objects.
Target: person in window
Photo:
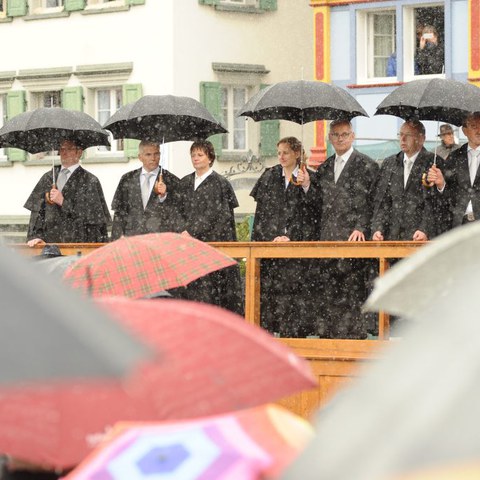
[
  {"x": 430, "y": 55},
  {"x": 449, "y": 143},
  {"x": 75, "y": 210},
  {"x": 281, "y": 216},
  {"x": 207, "y": 203},
  {"x": 146, "y": 199},
  {"x": 341, "y": 191}
]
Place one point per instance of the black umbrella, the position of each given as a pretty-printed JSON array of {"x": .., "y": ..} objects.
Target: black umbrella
[
  {"x": 44, "y": 129},
  {"x": 302, "y": 102},
  {"x": 440, "y": 99},
  {"x": 51, "y": 333},
  {"x": 163, "y": 119}
]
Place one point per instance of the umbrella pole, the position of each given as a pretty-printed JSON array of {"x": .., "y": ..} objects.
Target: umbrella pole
[
  {"x": 160, "y": 173},
  {"x": 425, "y": 182}
]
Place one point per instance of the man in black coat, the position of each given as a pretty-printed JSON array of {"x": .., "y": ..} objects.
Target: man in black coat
[
  {"x": 160, "y": 194},
  {"x": 75, "y": 210},
  {"x": 405, "y": 208},
  {"x": 462, "y": 176},
  {"x": 342, "y": 188}
]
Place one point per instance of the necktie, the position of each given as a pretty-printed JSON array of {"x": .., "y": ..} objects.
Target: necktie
[
  {"x": 146, "y": 190},
  {"x": 473, "y": 165},
  {"x": 407, "y": 166},
  {"x": 338, "y": 167},
  {"x": 62, "y": 178}
]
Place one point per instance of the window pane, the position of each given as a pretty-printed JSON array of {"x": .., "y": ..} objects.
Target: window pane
[
  {"x": 224, "y": 112},
  {"x": 430, "y": 49},
  {"x": 383, "y": 25},
  {"x": 239, "y": 137},
  {"x": 52, "y": 99}
]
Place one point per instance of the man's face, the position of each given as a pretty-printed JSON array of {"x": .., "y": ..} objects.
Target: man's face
[
  {"x": 341, "y": 137},
  {"x": 447, "y": 138},
  {"x": 472, "y": 131},
  {"x": 69, "y": 153},
  {"x": 150, "y": 157},
  {"x": 410, "y": 140}
]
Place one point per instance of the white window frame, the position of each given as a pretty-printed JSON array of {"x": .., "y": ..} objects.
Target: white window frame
[
  {"x": 231, "y": 119},
  {"x": 38, "y": 7},
  {"x": 116, "y": 149},
  {"x": 365, "y": 46}
]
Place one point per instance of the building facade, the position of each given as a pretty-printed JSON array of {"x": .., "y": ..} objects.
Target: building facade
[
  {"x": 97, "y": 55},
  {"x": 371, "y": 47}
]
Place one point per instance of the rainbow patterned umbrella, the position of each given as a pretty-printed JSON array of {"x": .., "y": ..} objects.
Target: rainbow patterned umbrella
[
  {"x": 143, "y": 265},
  {"x": 249, "y": 444}
]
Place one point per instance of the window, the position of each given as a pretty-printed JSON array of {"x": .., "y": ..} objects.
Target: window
[
  {"x": 233, "y": 99},
  {"x": 52, "y": 98},
  {"x": 3, "y": 118},
  {"x": 379, "y": 43},
  {"x": 3, "y": 8},
  {"x": 45, "y": 6},
  {"x": 107, "y": 102}
]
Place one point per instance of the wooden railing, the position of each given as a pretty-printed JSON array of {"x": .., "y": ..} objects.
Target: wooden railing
[
  {"x": 334, "y": 362},
  {"x": 253, "y": 252}
]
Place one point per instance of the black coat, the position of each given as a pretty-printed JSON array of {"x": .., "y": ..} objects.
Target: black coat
[
  {"x": 208, "y": 215},
  {"x": 399, "y": 211},
  {"x": 131, "y": 218},
  {"x": 280, "y": 211},
  {"x": 208, "y": 211},
  {"x": 344, "y": 206},
  {"x": 459, "y": 189},
  {"x": 83, "y": 217}
]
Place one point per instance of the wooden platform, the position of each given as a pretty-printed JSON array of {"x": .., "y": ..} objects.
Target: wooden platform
[{"x": 334, "y": 362}]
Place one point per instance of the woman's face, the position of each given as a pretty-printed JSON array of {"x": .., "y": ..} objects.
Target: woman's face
[
  {"x": 200, "y": 160},
  {"x": 286, "y": 156}
]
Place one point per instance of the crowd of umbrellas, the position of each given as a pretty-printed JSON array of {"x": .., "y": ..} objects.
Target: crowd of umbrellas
[{"x": 103, "y": 378}]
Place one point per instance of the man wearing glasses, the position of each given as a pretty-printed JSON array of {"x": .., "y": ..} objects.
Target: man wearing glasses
[
  {"x": 406, "y": 208},
  {"x": 73, "y": 210},
  {"x": 340, "y": 191}
]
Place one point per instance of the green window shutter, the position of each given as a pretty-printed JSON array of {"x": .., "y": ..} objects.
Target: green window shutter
[
  {"x": 73, "y": 5},
  {"x": 15, "y": 106},
  {"x": 211, "y": 97},
  {"x": 269, "y": 135},
  {"x": 130, "y": 93},
  {"x": 208, "y": 2},
  {"x": 268, "y": 4},
  {"x": 72, "y": 98},
  {"x": 136, "y": 2},
  {"x": 16, "y": 8}
]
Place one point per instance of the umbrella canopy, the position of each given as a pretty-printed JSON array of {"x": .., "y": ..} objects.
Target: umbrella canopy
[
  {"x": 302, "y": 102},
  {"x": 44, "y": 129},
  {"x": 49, "y": 333},
  {"x": 441, "y": 99},
  {"x": 207, "y": 361},
  {"x": 416, "y": 409},
  {"x": 163, "y": 119},
  {"x": 248, "y": 444},
  {"x": 143, "y": 265}
]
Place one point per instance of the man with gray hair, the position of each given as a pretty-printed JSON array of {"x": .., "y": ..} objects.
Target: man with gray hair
[{"x": 146, "y": 199}]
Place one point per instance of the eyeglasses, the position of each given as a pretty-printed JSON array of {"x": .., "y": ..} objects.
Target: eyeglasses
[{"x": 343, "y": 135}]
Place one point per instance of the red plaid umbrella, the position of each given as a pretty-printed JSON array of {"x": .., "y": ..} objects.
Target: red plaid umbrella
[
  {"x": 206, "y": 361},
  {"x": 142, "y": 265}
]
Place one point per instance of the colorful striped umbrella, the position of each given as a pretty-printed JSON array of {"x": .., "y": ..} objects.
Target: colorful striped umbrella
[{"x": 143, "y": 265}]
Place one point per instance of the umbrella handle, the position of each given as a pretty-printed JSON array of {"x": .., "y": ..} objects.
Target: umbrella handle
[
  {"x": 157, "y": 184},
  {"x": 47, "y": 196},
  {"x": 303, "y": 165},
  {"x": 425, "y": 182}
]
